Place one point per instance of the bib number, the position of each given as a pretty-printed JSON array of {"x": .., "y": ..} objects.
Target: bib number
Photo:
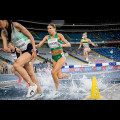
[
  {"x": 53, "y": 43},
  {"x": 21, "y": 44}
]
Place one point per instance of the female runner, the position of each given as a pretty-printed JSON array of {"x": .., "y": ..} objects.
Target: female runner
[
  {"x": 22, "y": 39},
  {"x": 55, "y": 43},
  {"x": 85, "y": 42}
]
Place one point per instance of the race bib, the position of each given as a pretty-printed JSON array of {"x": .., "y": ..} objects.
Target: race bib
[
  {"x": 22, "y": 44},
  {"x": 53, "y": 43}
]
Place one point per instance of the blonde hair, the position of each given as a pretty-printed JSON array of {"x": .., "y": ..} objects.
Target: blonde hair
[{"x": 85, "y": 33}]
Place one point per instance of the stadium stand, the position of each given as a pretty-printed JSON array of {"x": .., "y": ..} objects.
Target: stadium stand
[
  {"x": 76, "y": 37},
  {"x": 112, "y": 53}
]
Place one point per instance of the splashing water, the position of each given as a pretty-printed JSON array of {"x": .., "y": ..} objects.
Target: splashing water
[
  {"x": 75, "y": 88},
  {"x": 70, "y": 88}
]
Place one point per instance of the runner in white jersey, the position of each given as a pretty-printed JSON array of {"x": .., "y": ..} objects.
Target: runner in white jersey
[
  {"x": 15, "y": 53},
  {"x": 23, "y": 40}
]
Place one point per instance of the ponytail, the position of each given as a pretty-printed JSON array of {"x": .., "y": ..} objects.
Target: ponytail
[{"x": 9, "y": 30}]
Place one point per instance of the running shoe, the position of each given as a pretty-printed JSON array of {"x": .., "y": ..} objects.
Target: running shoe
[
  {"x": 37, "y": 96},
  {"x": 57, "y": 93},
  {"x": 31, "y": 90},
  {"x": 54, "y": 94}
]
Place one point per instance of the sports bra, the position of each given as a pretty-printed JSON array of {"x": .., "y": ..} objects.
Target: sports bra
[{"x": 85, "y": 43}]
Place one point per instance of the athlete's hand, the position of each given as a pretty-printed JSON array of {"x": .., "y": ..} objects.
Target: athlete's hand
[
  {"x": 34, "y": 57},
  {"x": 59, "y": 44},
  {"x": 79, "y": 48},
  {"x": 96, "y": 45},
  {"x": 7, "y": 50}
]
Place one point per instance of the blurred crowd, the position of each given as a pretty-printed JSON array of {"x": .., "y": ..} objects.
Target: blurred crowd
[{"x": 4, "y": 68}]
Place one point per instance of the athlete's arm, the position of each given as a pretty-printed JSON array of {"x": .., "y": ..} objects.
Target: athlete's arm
[
  {"x": 8, "y": 50},
  {"x": 67, "y": 44},
  {"x": 18, "y": 50},
  {"x": 92, "y": 43},
  {"x": 80, "y": 44},
  {"x": 4, "y": 38},
  {"x": 42, "y": 42}
]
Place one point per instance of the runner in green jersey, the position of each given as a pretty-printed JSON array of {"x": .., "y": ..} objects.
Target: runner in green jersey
[{"x": 55, "y": 41}]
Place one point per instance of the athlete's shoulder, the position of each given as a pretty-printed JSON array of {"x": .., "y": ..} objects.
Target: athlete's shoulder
[
  {"x": 88, "y": 39},
  {"x": 3, "y": 33},
  {"x": 46, "y": 37},
  {"x": 59, "y": 34},
  {"x": 16, "y": 24}
]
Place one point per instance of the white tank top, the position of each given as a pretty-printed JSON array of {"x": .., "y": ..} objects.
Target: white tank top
[
  {"x": 20, "y": 40},
  {"x": 15, "y": 55}
]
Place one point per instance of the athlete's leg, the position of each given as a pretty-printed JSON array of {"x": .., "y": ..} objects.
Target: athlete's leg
[
  {"x": 18, "y": 65},
  {"x": 55, "y": 70},
  {"x": 84, "y": 53},
  {"x": 30, "y": 71},
  {"x": 15, "y": 72},
  {"x": 87, "y": 51},
  {"x": 62, "y": 75}
]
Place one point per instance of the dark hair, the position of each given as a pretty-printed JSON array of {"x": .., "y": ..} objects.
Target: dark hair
[
  {"x": 52, "y": 24},
  {"x": 10, "y": 43},
  {"x": 9, "y": 29}
]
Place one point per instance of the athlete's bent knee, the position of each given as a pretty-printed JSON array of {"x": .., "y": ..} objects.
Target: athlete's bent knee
[
  {"x": 53, "y": 72},
  {"x": 16, "y": 65}
]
